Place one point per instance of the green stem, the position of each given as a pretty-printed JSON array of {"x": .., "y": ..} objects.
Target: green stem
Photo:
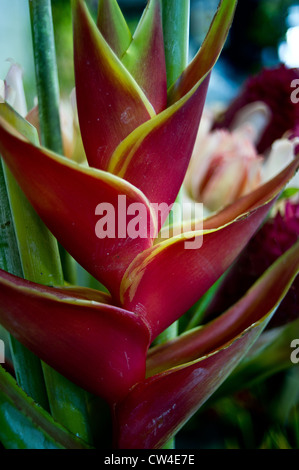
[
  {"x": 46, "y": 74},
  {"x": 176, "y": 20}
]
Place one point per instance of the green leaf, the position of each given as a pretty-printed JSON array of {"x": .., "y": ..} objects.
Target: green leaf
[
  {"x": 25, "y": 425},
  {"x": 113, "y": 26},
  {"x": 288, "y": 193}
]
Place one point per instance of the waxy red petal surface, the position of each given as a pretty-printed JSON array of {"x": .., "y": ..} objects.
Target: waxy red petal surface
[
  {"x": 259, "y": 300},
  {"x": 100, "y": 347},
  {"x": 156, "y": 409},
  {"x": 165, "y": 281},
  {"x": 180, "y": 276}
]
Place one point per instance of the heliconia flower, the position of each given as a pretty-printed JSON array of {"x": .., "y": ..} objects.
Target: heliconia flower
[
  {"x": 138, "y": 140},
  {"x": 273, "y": 87}
]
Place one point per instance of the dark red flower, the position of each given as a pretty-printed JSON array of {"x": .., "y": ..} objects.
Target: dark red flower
[{"x": 273, "y": 87}]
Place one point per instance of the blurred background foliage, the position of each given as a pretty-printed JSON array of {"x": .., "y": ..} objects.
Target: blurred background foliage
[{"x": 265, "y": 413}]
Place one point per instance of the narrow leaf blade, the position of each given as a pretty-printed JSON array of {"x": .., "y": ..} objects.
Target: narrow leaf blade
[
  {"x": 113, "y": 26},
  {"x": 25, "y": 425}
]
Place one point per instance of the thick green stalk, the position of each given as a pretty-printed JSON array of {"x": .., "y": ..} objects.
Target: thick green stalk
[
  {"x": 48, "y": 93},
  {"x": 68, "y": 403},
  {"x": 46, "y": 74},
  {"x": 176, "y": 26}
]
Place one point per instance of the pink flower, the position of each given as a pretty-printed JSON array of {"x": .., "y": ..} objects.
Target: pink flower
[{"x": 224, "y": 167}]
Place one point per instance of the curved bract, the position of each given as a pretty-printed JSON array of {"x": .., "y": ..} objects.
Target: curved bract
[
  {"x": 110, "y": 102},
  {"x": 189, "y": 373},
  {"x": 98, "y": 346},
  {"x": 66, "y": 196}
]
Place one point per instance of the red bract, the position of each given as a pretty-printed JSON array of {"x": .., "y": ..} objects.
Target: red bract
[
  {"x": 139, "y": 145},
  {"x": 275, "y": 237}
]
